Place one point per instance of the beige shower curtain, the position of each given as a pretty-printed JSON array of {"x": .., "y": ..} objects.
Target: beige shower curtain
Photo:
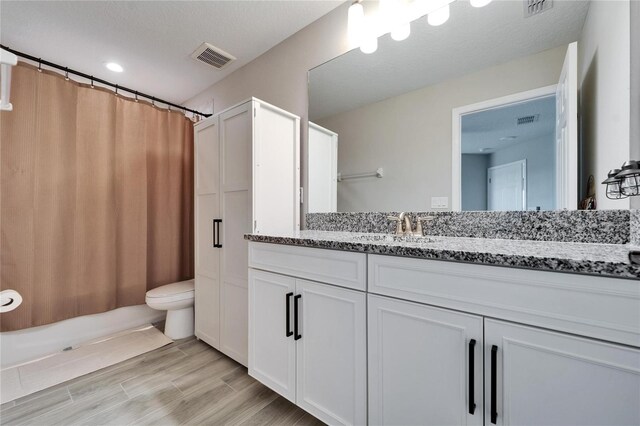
[{"x": 96, "y": 199}]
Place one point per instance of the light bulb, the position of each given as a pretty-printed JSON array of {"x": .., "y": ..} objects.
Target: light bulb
[
  {"x": 401, "y": 32},
  {"x": 355, "y": 25},
  {"x": 369, "y": 44},
  {"x": 479, "y": 3},
  {"x": 438, "y": 17}
]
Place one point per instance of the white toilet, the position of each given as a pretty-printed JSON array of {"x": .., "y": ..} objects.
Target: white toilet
[{"x": 177, "y": 300}]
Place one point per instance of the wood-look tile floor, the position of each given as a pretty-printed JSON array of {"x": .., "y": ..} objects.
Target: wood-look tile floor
[{"x": 186, "y": 382}]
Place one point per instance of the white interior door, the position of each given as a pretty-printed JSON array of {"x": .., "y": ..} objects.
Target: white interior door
[
  {"x": 323, "y": 170},
  {"x": 507, "y": 186},
  {"x": 236, "y": 136},
  {"x": 547, "y": 378},
  {"x": 419, "y": 365},
  {"x": 207, "y": 208},
  {"x": 331, "y": 377},
  {"x": 272, "y": 350},
  {"x": 567, "y": 132}
]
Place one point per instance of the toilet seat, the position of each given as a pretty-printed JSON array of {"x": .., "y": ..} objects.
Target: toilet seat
[{"x": 175, "y": 292}]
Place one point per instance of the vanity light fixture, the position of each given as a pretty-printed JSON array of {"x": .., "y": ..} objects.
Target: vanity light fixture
[
  {"x": 479, "y": 3},
  {"x": 613, "y": 185},
  {"x": 439, "y": 17},
  {"x": 625, "y": 182},
  {"x": 629, "y": 178},
  {"x": 355, "y": 24},
  {"x": 369, "y": 44},
  {"x": 395, "y": 17},
  {"x": 401, "y": 32}
]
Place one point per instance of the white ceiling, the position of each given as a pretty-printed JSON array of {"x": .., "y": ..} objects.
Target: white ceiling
[
  {"x": 472, "y": 39},
  {"x": 483, "y": 130},
  {"x": 153, "y": 40}
]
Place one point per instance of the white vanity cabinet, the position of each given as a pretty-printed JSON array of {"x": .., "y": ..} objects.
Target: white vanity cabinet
[
  {"x": 446, "y": 343},
  {"x": 532, "y": 376},
  {"x": 425, "y": 365},
  {"x": 246, "y": 180},
  {"x": 540, "y": 377},
  {"x": 307, "y": 340}
]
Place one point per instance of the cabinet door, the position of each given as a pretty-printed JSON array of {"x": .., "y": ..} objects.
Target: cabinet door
[
  {"x": 236, "y": 143},
  {"x": 207, "y": 313},
  {"x": 425, "y": 365},
  {"x": 331, "y": 353},
  {"x": 272, "y": 351},
  {"x": 207, "y": 157},
  {"x": 322, "y": 184},
  {"x": 207, "y": 208},
  {"x": 276, "y": 180},
  {"x": 539, "y": 377}
]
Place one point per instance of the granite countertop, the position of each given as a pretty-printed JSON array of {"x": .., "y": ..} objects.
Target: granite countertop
[{"x": 609, "y": 260}]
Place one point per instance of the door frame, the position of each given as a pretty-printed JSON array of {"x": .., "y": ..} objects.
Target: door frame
[
  {"x": 456, "y": 131},
  {"x": 523, "y": 168}
]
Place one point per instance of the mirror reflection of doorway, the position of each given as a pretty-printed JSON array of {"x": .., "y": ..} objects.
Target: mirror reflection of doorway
[
  {"x": 507, "y": 186},
  {"x": 509, "y": 157}
]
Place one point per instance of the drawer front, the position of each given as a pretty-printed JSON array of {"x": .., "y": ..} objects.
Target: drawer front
[
  {"x": 340, "y": 268},
  {"x": 603, "y": 308}
]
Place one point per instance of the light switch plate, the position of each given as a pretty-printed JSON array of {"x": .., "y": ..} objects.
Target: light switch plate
[{"x": 439, "y": 202}]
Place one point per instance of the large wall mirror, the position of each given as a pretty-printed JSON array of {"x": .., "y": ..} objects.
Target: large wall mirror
[{"x": 493, "y": 110}]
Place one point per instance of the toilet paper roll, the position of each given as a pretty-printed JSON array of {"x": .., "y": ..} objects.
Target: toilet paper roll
[{"x": 9, "y": 300}]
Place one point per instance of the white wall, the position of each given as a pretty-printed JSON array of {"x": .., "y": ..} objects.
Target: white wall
[
  {"x": 540, "y": 156},
  {"x": 409, "y": 136},
  {"x": 604, "y": 63},
  {"x": 473, "y": 181}
]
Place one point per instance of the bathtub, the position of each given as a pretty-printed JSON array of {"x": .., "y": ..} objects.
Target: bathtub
[{"x": 31, "y": 343}]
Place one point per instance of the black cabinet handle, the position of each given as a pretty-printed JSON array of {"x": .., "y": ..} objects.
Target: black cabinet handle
[
  {"x": 295, "y": 317},
  {"x": 216, "y": 233},
  {"x": 494, "y": 380},
  {"x": 288, "y": 313},
  {"x": 472, "y": 402}
]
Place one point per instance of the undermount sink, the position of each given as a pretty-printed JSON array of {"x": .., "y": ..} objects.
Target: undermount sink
[{"x": 393, "y": 239}]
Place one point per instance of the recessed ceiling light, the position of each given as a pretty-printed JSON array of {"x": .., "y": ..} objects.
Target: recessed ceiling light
[
  {"x": 508, "y": 138},
  {"x": 112, "y": 66}
]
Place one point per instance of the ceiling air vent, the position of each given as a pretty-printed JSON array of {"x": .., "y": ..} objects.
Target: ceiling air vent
[
  {"x": 527, "y": 119},
  {"x": 535, "y": 7},
  {"x": 213, "y": 56}
]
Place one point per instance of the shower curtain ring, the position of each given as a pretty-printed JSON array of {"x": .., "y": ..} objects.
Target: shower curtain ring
[
  {"x": 66, "y": 73},
  {"x": 92, "y": 82},
  {"x": 116, "y": 90},
  {"x": 39, "y": 64},
  {"x": 136, "y": 98},
  {"x": 153, "y": 102}
]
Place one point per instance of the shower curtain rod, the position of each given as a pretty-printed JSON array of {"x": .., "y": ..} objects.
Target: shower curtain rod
[{"x": 93, "y": 79}]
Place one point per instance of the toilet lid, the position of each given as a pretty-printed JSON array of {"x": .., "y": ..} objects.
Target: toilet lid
[{"x": 183, "y": 288}]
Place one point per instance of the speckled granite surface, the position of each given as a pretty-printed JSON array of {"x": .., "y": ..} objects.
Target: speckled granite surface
[
  {"x": 582, "y": 258},
  {"x": 600, "y": 226},
  {"x": 634, "y": 224}
]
